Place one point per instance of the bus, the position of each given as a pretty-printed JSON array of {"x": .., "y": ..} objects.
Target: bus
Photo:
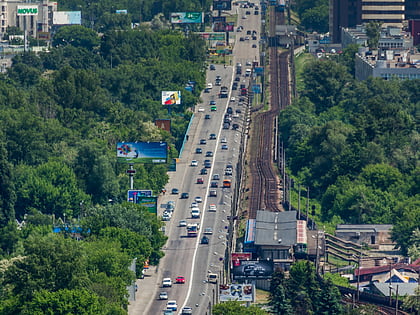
[{"x": 227, "y": 183}]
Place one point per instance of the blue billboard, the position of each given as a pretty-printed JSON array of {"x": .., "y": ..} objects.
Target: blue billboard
[{"x": 142, "y": 152}]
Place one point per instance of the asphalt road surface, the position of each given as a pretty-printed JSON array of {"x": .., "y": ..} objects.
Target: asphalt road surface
[{"x": 185, "y": 256}]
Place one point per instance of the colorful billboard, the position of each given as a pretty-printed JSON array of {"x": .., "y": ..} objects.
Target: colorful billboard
[
  {"x": 171, "y": 97},
  {"x": 253, "y": 269},
  {"x": 67, "y": 17},
  {"x": 164, "y": 124},
  {"x": 187, "y": 17},
  {"x": 222, "y": 5},
  {"x": 27, "y": 10},
  {"x": 142, "y": 152},
  {"x": 236, "y": 292},
  {"x": 149, "y": 202},
  {"x": 237, "y": 257},
  {"x": 212, "y": 36},
  {"x": 133, "y": 195}
]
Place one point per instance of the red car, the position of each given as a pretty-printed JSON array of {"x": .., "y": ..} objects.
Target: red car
[{"x": 180, "y": 279}]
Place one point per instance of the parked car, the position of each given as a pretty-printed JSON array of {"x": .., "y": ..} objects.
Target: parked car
[{"x": 212, "y": 67}]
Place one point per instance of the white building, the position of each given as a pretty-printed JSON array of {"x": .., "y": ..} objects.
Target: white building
[{"x": 35, "y": 17}]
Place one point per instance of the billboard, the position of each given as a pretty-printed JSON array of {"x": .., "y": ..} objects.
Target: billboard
[
  {"x": 212, "y": 36},
  {"x": 164, "y": 124},
  {"x": 133, "y": 195},
  {"x": 23, "y": 10},
  {"x": 187, "y": 17},
  {"x": 236, "y": 292},
  {"x": 149, "y": 202},
  {"x": 222, "y": 5},
  {"x": 223, "y": 26},
  {"x": 171, "y": 97},
  {"x": 67, "y": 17},
  {"x": 219, "y": 19},
  {"x": 142, "y": 152},
  {"x": 121, "y": 11},
  {"x": 237, "y": 257},
  {"x": 253, "y": 269}
]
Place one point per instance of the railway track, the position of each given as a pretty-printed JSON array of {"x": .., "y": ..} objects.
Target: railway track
[{"x": 265, "y": 179}]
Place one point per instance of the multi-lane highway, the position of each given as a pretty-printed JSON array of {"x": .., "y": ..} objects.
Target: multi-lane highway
[{"x": 186, "y": 256}]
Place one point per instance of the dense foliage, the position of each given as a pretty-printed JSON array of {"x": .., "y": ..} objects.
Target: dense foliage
[
  {"x": 303, "y": 293},
  {"x": 61, "y": 114},
  {"x": 313, "y": 15},
  {"x": 355, "y": 144}
]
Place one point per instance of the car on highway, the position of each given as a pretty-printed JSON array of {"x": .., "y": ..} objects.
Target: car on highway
[
  {"x": 171, "y": 305},
  {"x": 200, "y": 180},
  {"x": 213, "y": 108},
  {"x": 163, "y": 296},
  {"x": 186, "y": 310},
  {"x": 214, "y": 184},
  {"x": 195, "y": 213},
  {"x": 209, "y": 153},
  {"x": 207, "y": 116},
  {"x": 166, "y": 216},
  {"x": 203, "y": 141},
  {"x": 194, "y": 205},
  {"x": 185, "y": 195},
  {"x": 224, "y": 140},
  {"x": 203, "y": 171},
  {"x": 198, "y": 199},
  {"x": 194, "y": 163},
  {"x": 232, "y": 99},
  {"x": 213, "y": 193},
  {"x": 180, "y": 280},
  {"x": 237, "y": 79},
  {"x": 212, "y": 67},
  {"x": 212, "y": 102},
  {"x": 182, "y": 223},
  {"x": 166, "y": 282},
  {"x": 254, "y": 46},
  {"x": 225, "y": 147},
  {"x": 212, "y": 136},
  {"x": 228, "y": 172},
  {"x": 212, "y": 207},
  {"x": 199, "y": 150},
  {"x": 208, "y": 231},
  {"x": 175, "y": 191},
  {"x": 204, "y": 240},
  {"x": 216, "y": 176},
  {"x": 200, "y": 109}
]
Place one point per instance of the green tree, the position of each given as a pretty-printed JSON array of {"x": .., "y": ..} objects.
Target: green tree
[
  {"x": 329, "y": 302},
  {"x": 76, "y": 35},
  {"x": 325, "y": 83},
  {"x": 414, "y": 248},
  {"x": 373, "y": 32},
  {"x": 80, "y": 301},
  {"x": 7, "y": 188},
  {"x": 279, "y": 302},
  {"x": 316, "y": 19},
  {"x": 234, "y": 308}
]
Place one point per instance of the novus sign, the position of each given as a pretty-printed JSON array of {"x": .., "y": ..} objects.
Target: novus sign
[{"x": 27, "y": 10}]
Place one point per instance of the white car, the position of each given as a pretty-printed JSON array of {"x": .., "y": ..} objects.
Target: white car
[
  {"x": 195, "y": 213},
  {"x": 232, "y": 99},
  {"x": 194, "y": 205},
  {"x": 194, "y": 163},
  {"x": 198, "y": 199},
  {"x": 182, "y": 223},
  {"x": 163, "y": 296},
  {"x": 209, "y": 85},
  {"x": 212, "y": 207},
  {"x": 171, "y": 305},
  {"x": 224, "y": 140},
  {"x": 166, "y": 282},
  {"x": 208, "y": 231},
  {"x": 201, "y": 109}
]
